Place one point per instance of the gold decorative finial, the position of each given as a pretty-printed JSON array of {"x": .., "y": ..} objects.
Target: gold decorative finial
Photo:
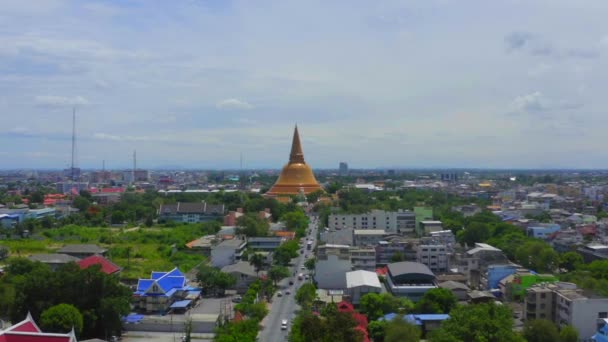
[{"x": 296, "y": 155}]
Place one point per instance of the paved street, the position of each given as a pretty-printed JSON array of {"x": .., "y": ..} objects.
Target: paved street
[{"x": 285, "y": 307}]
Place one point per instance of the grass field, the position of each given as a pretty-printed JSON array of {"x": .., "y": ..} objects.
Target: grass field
[{"x": 139, "y": 251}]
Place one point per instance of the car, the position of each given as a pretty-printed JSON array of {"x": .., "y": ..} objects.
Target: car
[
  {"x": 290, "y": 281},
  {"x": 306, "y": 256},
  {"x": 237, "y": 299},
  {"x": 301, "y": 251},
  {"x": 306, "y": 277},
  {"x": 288, "y": 292},
  {"x": 283, "y": 324},
  {"x": 300, "y": 276},
  {"x": 302, "y": 267},
  {"x": 279, "y": 294}
]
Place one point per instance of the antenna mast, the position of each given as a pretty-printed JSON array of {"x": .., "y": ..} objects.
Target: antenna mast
[
  {"x": 73, "y": 143},
  {"x": 134, "y": 165}
]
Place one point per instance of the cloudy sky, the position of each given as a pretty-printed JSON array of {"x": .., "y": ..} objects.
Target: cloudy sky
[{"x": 195, "y": 83}]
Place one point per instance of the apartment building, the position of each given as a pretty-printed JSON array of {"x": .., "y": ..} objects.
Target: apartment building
[
  {"x": 434, "y": 257},
  {"x": 565, "y": 304},
  {"x": 228, "y": 252},
  {"x": 394, "y": 222},
  {"x": 341, "y": 251},
  {"x": 385, "y": 250},
  {"x": 363, "y": 259}
]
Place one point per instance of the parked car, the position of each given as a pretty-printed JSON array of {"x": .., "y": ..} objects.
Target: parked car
[
  {"x": 279, "y": 294},
  {"x": 288, "y": 291},
  {"x": 237, "y": 299},
  {"x": 290, "y": 281},
  {"x": 284, "y": 324}
]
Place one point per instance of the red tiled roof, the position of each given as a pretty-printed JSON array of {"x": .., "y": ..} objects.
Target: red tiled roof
[
  {"x": 28, "y": 331},
  {"x": 112, "y": 190},
  {"x": 107, "y": 266}
]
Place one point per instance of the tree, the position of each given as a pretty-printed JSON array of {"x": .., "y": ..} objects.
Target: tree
[
  {"x": 397, "y": 256},
  {"x": 568, "y": 334},
  {"x": 306, "y": 295},
  {"x": 257, "y": 261},
  {"x": 570, "y": 260},
  {"x": 277, "y": 273},
  {"x": 436, "y": 301},
  {"x": 540, "y": 330},
  {"x": 3, "y": 252},
  {"x": 36, "y": 197},
  {"x": 81, "y": 203},
  {"x": 61, "y": 319},
  {"x": 214, "y": 280},
  {"x": 399, "y": 330},
  {"x": 377, "y": 330},
  {"x": 224, "y": 281},
  {"x": 375, "y": 305},
  {"x": 537, "y": 255},
  {"x": 477, "y": 323},
  {"x": 281, "y": 257},
  {"x": 310, "y": 264},
  {"x": 474, "y": 232},
  {"x": 295, "y": 220},
  {"x": 252, "y": 225}
]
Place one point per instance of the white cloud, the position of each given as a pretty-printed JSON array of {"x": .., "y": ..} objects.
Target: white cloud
[
  {"x": 60, "y": 101},
  {"x": 233, "y": 104},
  {"x": 529, "y": 103}
]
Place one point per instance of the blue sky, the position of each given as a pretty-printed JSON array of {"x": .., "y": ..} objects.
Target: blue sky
[{"x": 374, "y": 83}]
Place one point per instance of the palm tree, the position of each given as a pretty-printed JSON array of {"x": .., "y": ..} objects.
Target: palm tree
[{"x": 257, "y": 261}]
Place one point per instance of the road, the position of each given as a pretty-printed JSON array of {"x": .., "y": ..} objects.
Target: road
[{"x": 285, "y": 307}]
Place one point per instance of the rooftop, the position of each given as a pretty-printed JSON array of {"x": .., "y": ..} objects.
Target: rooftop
[
  {"x": 362, "y": 278},
  {"x": 369, "y": 232},
  {"x": 407, "y": 267},
  {"x": 82, "y": 248},
  {"x": 53, "y": 258}
]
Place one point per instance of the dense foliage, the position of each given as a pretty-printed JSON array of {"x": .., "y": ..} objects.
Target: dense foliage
[
  {"x": 62, "y": 318},
  {"x": 32, "y": 287}
]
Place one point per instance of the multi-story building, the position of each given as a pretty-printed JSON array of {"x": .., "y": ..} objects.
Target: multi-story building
[
  {"x": 394, "y": 222},
  {"x": 434, "y": 257},
  {"x": 542, "y": 230},
  {"x": 265, "y": 243},
  {"x": 410, "y": 279},
  {"x": 429, "y": 226},
  {"x": 363, "y": 259},
  {"x": 227, "y": 252},
  {"x": 342, "y": 251},
  {"x": 190, "y": 212},
  {"x": 564, "y": 304},
  {"x": 343, "y": 170},
  {"x": 368, "y": 237},
  {"x": 385, "y": 250}
]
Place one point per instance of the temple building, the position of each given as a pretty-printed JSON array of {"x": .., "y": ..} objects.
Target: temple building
[{"x": 296, "y": 177}]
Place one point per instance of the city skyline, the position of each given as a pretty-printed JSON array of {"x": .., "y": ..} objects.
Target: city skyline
[{"x": 400, "y": 84}]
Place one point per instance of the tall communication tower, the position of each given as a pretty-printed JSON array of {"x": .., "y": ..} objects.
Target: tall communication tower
[
  {"x": 134, "y": 166},
  {"x": 72, "y": 170}
]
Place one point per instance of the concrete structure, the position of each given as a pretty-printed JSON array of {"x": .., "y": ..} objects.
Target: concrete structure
[
  {"x": 71, "y": 187},
  {"x": 593, "y": 252},
  {"x": 429, "y": 226},
  {"x": 343, "y": 169},
  {"x": 497, "y": 272},
  {"x": 564, "y": 304},
  {"x": 514, "y": 287},
  {"x": 359, "y": 283},
  {"x": 434, "y": 257},
  {"x": 368, "y": 237},
  {"x": 410, "y": 279},
  {"x": 266, "y": 243},
  {"x": 190, "y": 212},
  {"x": 228, "y": 252},
  {"x": 363, "y": 258},
  {"x": 474, "y": 262},
  {"x": 394, "y": 222},
  {"x": 341, "y": 251}
]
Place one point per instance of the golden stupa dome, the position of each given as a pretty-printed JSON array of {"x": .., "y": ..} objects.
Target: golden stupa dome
[{"x": 296, "y": 176}]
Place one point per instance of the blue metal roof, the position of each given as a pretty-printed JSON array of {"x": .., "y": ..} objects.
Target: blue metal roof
[{"x": 417, "y": 319}]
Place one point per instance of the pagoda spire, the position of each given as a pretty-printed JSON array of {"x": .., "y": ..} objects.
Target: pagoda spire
[{"x": 296, "y": 155}]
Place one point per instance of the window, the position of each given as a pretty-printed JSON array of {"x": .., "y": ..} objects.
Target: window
[
  {"x": 602, "y": 315},
  {"x": 543, "y": 295}
]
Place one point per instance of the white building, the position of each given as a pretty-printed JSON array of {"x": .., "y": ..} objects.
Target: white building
[
  {"x": 368, "y": 237},
  {"x": 434, "y": 257},
  {"x": 564, "y": 304},
  {"x": 227, "y": 252},
  {"x": 394, "y": 222},
  {"x": 430, "y": 226},
  {"x": 359, "y": 283}
]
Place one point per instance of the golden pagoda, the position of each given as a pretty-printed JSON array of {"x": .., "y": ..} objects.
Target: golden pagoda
[{"x": 296, "y": 177}]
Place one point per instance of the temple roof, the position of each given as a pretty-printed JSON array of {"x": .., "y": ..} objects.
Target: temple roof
[{"x": 296, "y": 155}]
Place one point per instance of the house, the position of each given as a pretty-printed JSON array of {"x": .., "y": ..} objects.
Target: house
[
  {"x": 53, "y": 260},
  {"x": 409, "y": 279},
  {"x": 477, "y": 297},
  {"x": 28, "y": 331},
  {"x": 244, "y": 273},
  {"x": 227, "y": 252},
  {"x": 106, "y": 265},
  {"x": 82, "y": 251},
  {"x": 458, "y": 289},
  {"x": 160, "y": 291},
  {"x": 359, "y": 283},
  {"x": 190, "y": 212},
  {"x": 203, "y": 244}
]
